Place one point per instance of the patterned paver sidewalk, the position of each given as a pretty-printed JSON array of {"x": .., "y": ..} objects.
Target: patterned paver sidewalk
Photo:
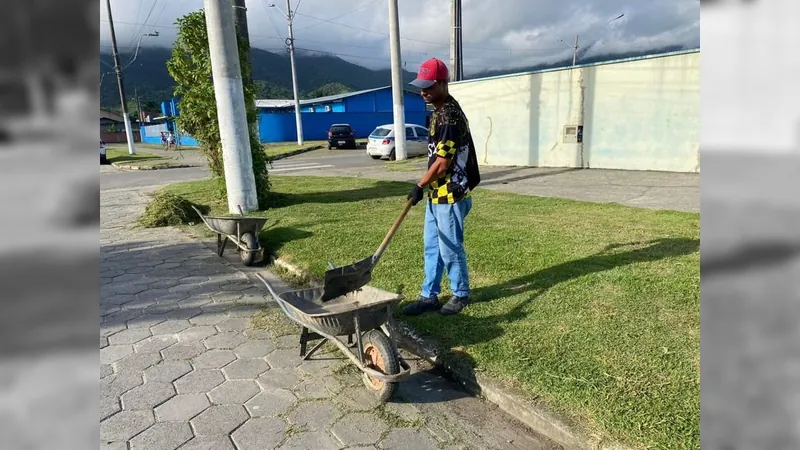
[{"x": 183, "y": 366}]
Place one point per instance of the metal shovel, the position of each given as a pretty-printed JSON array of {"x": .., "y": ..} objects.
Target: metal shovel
[{"x": 343, "y": 280}]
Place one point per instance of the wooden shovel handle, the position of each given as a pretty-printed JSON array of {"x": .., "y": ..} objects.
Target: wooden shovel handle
[{"x": 392, "y": 231}]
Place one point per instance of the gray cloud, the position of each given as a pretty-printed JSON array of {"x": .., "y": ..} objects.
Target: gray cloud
[{"x": 499, "y": 34}]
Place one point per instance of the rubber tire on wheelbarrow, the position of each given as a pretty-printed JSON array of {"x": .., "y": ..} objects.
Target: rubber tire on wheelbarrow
[
  {"x": 377, "y": 344},
  {"x": 248, "y": 258}
]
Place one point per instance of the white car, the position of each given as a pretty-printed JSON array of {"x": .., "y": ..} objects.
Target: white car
[{"x": 381, "y": 141}]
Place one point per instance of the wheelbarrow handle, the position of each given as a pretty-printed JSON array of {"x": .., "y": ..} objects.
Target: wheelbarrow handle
[{"x": 392, "y": 231}]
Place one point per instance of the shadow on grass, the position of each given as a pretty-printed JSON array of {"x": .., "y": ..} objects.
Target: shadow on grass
[
  {"x": 381, "y": 189},
  {"x": 534, "y": 285},
  {"x": 134, "y": 158},
  {"x": 273, "y": 239}
]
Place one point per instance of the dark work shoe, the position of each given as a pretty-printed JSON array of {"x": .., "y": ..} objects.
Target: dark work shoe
[
  {"x": 454, "y": 306},
  {"x": 422, "y": 305}
]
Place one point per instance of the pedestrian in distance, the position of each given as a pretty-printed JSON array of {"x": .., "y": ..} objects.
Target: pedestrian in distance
[{"x": 448, "y": 183}]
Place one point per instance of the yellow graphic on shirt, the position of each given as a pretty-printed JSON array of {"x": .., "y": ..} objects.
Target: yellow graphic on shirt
[{"x": 448, "y": 142}]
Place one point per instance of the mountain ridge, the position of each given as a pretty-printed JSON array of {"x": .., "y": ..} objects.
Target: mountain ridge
[{"x": 147, "y": 75}]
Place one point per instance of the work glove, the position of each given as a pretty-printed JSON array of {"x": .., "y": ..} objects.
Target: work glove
[{"x": 416, "y": 194}]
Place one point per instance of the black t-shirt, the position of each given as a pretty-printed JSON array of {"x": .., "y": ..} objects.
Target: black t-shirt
[{"x": 449, "y": 137}]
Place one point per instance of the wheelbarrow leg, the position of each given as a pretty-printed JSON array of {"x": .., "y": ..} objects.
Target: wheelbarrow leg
[
  {"x": 357, "y": 324},
  {"x": 303, "y": 342},
  {"x": 314, "y": 349},
  {"x": 221, "y": 242},
  {"x": 391, "y": 329},
  {"x": 305, "y": 336}
]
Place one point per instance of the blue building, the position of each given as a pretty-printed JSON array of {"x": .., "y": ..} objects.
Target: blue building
[
  {"x": 151, "y": 133},
  {"x": 363, "y": 110}
]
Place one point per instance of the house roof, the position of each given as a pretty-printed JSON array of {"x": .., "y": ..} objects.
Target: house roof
[
  {"x": 108, "y": 114},
  {"x": 276, "y": 103}
]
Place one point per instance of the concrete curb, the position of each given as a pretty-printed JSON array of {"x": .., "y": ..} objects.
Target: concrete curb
[
  {"x": 153, "y": 167},
  {"x": 510, "y": 400},
  {"x": 296, "y": 152}
]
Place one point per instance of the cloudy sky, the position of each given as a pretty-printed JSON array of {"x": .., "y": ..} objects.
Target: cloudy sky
[{"x": 500, "y": 34}]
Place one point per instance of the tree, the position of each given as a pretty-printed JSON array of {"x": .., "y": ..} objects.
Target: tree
[
  {"x": 329, "y": 89},
  {"x": 190, "y": 67},
  {"x": 268, "y": 90}
]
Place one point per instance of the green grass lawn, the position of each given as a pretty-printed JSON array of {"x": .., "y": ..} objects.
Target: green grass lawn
[
  {"x": 140, "y": 159},
  {"x": 282, "y": 148},
  {"x": 592, "y": 309},
  {"x": 120, "y": 155}
]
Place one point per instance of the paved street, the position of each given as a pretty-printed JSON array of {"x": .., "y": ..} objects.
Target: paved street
[
  {"x": 183, "y": 365},
  {"x": 317, "y": 162},
  {"x": 643, "y": 189}
]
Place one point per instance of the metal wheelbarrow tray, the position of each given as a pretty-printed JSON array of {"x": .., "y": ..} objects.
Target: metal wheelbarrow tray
[
  {"x": 365, "y": 315},
  {"x": 242, "y": 231}
]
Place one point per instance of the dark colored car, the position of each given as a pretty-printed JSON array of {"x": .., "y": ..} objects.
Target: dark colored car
[{"x": 341, "y": 135}]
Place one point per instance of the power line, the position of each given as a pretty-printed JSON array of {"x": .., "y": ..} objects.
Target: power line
[
  {"x": 339, "y": 16},
  {"x": 172, "y": 27},
  {"x": 269, "y": 16},
  {"x": 149, "y": 13},
  {"x": 439, "y": 44}
]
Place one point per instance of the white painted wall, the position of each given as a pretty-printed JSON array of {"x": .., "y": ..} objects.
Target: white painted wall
[{"x": 641, "y": 114}]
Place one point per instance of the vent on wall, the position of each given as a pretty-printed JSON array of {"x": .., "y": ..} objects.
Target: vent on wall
[{"x": 573, "y": 134}]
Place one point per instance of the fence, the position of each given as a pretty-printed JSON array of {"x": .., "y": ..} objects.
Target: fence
[{"x": 119, "y": 137}]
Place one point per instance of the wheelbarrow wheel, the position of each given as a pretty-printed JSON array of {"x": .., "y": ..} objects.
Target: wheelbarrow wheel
[
  {"x": 249, "y": 241},
  {"x": 378, "y": 355}
]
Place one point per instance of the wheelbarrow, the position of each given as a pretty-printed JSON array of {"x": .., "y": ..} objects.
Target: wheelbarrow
[
  {"x": 242, "y": 231},
  {"x": 366, "y": 316}
]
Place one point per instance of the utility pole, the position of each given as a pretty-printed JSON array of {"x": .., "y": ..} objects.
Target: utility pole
[
  {"x": 118, "y": 70},
  {"x": 575, "y": 52},
  {"x": 397, "y": 84},
  {"x": 456, "y": 55},
  {"x": 138, "y": 106},
  {"x": 290, "y": 41},
  {"x": 231, "y": 113},
  {"x": 240, "y": 20}
]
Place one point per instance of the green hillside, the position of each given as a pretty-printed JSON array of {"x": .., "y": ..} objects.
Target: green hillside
[{"x": 148, "y": 75}]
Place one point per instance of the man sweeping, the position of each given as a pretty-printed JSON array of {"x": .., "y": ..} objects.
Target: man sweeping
[{"x": 452, "y": 175}]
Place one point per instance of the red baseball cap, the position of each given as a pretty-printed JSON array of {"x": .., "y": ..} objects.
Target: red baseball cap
[{"x": 430, "y": 72}]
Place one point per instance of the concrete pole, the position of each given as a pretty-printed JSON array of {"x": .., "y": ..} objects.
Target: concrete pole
[
  {"x": 240, "y": 21},
  {"x": 453, "y": 40},
  {"x": 120, "y": 84},
  {"x": 298, "y": 120},
  {"x": 397, "y": 84},
  {"x": 460, "y": 45},
  {"x": 231, "y": 113}
]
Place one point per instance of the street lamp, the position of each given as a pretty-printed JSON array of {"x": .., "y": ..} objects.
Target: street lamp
[{"x": 138, "y": 44}]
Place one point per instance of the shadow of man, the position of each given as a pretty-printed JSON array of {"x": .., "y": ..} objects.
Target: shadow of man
[{"x": 465, "y": 330}]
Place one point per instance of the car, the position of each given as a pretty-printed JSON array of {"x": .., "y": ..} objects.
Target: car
[
  {"x": 380, "y": 144},
  {"x": 341, "y": 135}
]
